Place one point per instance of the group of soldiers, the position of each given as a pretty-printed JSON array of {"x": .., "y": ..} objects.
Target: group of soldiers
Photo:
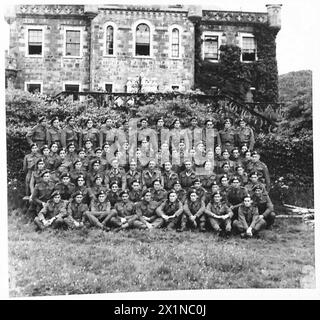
[{"x": 138, "y": 176}]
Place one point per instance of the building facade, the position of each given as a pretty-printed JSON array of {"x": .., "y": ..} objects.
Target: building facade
[{"x": 125, "y": 48}]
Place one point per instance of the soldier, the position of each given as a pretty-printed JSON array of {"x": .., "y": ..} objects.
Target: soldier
[
  {"x": 96, "y": 169},
  {"x": 63, "y": 165},
  {"x": 210, "y": 135},
  {"x": 225, "y": 171},
  {"x": 146, "y": 211},
  {"x": 181, "y": 193},
  {"x": 116, "y": 174},
  {"x": 207, "y": 176},
  {"x": 194, "y": 133},
  {"x": 125, "y": 216},
  {"x": 53, "y": 155},
  {"x": 87, "y": 195},
  {"x": 54, "y": 132},
  {"x": 214, "y": 188},
  {"x": 133, "y": 174},
  {"x": 246, "y": 160},
  {"x": 253, "y": 181},
  {"x": 170, "y": 210},
  {"x": 150, "y": 174},
  {"x": 71, "y": 152},
  {"x": 176, "y": 135},
  {"x": 187, "y": 176},
  {"x": 100, "y": 209},
  {"x": 108, "y": 134},
  {"x": 242, "y": 175},
  {"x": 70, "y": 134},
  {"x": 52, "y": 214},
  {"x": 161, "y": 133},
  {"x": 260, "y": 167},
  {"x": 76, "y": 209},
  {"x": 113, "y": 193},
  {"x": 224, "y": 187},
  {"x": 89, "y": 133},
  {"x": 158, "y": 194},
  {"x": 36, "y": 174},
  {"x": 235, "y": 157},
  {"x": 219, "y": 215},
  {"x": 77, "y": 171},
  {"x": 217, "y": 153},
  {"x": 135, "y": 193},
  {"x": 97, "y": 186},
  {"x": 41, "y": 194},
  {"x": 225, "y": 158},
  {"x": 83, "y": 158},
  {"x": 193, "y": 210},
  {"x": 29, "y": 163},
  {"x": 88, "y": 149},
  {"x": 228, "y": 135},
  {"x": 49, "y": 161},
  {"x": 143, "y": 132},
  {"x": 65, "y": 187},
  {"x": 38, "y": 134},
  {"x": 265, "y": 207},
  {"x": 201, "y": 192},
  {"x": 168, "y": 177},
  {"x": 235, "y": 196},
  {"x": 248, "y": 223},
  {"x": 245, "y": 134}
]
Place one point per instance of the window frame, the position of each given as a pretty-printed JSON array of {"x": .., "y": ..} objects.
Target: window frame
[
  {"x": 34, "y": 27},
  {"x": 105, "y": 26},
  {"x": 151, "y": 28},
  {"x": 110, "y": 83},
  {"x": 180, "y": 29},
  {"x": 248, "y": 35},
  {"x": 70, "y": 28},
  {"x": 72, "y": 83},
  {"x": 211, "y": 34},
  {"x": 33, "y": 82}
]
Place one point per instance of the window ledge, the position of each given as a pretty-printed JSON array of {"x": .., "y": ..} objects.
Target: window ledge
[
  {"x": 34, "y": 56},
  {"x": 143, "y": 57},
  {"x": 109, "y": 56},
  {"x": 72, "y": 57}
]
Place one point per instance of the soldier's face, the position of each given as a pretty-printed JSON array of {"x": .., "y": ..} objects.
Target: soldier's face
[
  {"x": 255, "y": 157},
  {"x": 78, "y": 165},
  {"x": 152, "y": 164},
  {"x": 172, "y": 197},
  {"x": 96, "y": 167},
  {"x": 197, "y": 185},
  {"x": 88, "y": 145},
  {"x": 56, "y": 199},
  {"x": 215, "y": 188},
  {"x": 225, "y": 155},
  {"x": 193, "y": 197},
  {"x": 43, "y": 123},
  {"x": 109, "y": 122},
  {"x": 177, "y": 124},
  {"x": 164, "y": 147},
  {"x": 247, "y": 202},
  {"x": 80, "y": 182},
  {"x": 65, "y": 180},
  {"x": 90, "y": 124},
  {"x": 133, "y": 166},
  {"x": 71, "y": 149},
  {"x": 210, "y": 154},
  {"x": 157, "y": 185},
  {"x": 114, "y": 188},
  {"x": 242, "y": 124},
  {"x": 54, "y": 148},
  {"x": 177, "y": 186},
  {"x": 218, "y": 150},
  {"x": 135, "y": 186},
  {"x": 46, "y": 152},
  {"x": 217, "y": 198},
  {"x": 209, "y": 124},
  {"x": 147, "y": 197},
  {"x": 208, "y": 165},
  {"x": 254, "y": 178},
  {"x": 62, "y": 154},
  {"x": 79, "y": 198},
  {"x": 81, "y": 154},
  {"x": 240, "y": 171},
  {"x": 34, "y": 149},
  {"x": 125, "y": 197},
  {"x": 188, "y": 165},
  {"x": 102, "y": 197},
  {"x": 99, "y": 153},
  {"x": 258, "y": 192},
  {"x": 236, "y": 184},
  {"x": 106, "y": 148},
  {"x": 55, "y": 123},
  {"x": 248, "y": 155},
  {"x": 235, "y": 153},
  {"x": 98, "y": 181},
  {"x": 226, "y": 168},
  {"x": 71, "y": 122},
  {"x": 46, "y": 177},
  {"x": 227, "y": 124},
  {"x": 224, "y": 181},
  {"x": 115, "y": 164},
  {"x": 144, "y": 124},
  {"x": 167, "y": 166},
  {"x": 160, "y": 123},
  {"x": 194, "y": 122}
]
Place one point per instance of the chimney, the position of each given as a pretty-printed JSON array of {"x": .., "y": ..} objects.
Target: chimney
[{"x": 274, "y": 15}]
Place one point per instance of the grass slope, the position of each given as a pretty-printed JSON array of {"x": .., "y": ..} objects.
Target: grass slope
[{"x": 91, "y": 261}]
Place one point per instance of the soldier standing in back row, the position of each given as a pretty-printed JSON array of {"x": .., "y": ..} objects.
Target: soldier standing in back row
[
  {"x": 38, "y": 134},
  {"x": 54, "y": 132},
  {"x": 228, "y": 136},
  {"x": 69, "y": 134},
  {"x": 245, "y": 135}
]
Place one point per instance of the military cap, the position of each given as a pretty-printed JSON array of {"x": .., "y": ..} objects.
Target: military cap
[
  {"x": 255, "y": 152},
  {"x": 81, "y": 149},
  {"x": 80, "y": 176},
  {"x": 86, "y": 121},
  {"x": 53, "y": 143},
  {"x": 175, "y": 120},
  {"x": 62, "y": 149},
  {"x": 87, "y": 140},
  {"x": 54, "y": 193},
  {"x": 98, "y": 176},
  {"x": 40, "y": 160},
  {"x": 112, "y": 183},
  {"x": 97, "y": 149},
  {"x": 133, "y": 181},
  {"x": 123, "y": 192},
  {"x": 241, "y": 119},
  {"x": 145, "y": 192},
  {"x": 194, "y": 118},
  {"x": 171, "y": 191},
  {"x": 107, "y": 118},
  {"x": 143, "y": 119},
  {"x": 234, "y": 178},
  {"x": 257, "y": 186},
  {"x": 44, "y": 147},
  {"x": 176, "y": 182},
  {"x": 101, "y": 192},
  {"x": 216, "y": 193},
  {"x": 227, "y": 120},
  {"x": 42, "y": 118},
  {"x": 76, "y": 161},
  {"x": 65, "y": 174},
  {"x": 156, "y": 180},
  {"x": 214, "y": 183},
  {"x": 105, "y": 144},
  {"x": 239, "y": 166},
  {"x": 224, "y": 164},
  {"x": 71, "y": 144},
  {"x": 225, "y": 150},
  {"x": 77, "y": 193},
  {"x": 53, "y": 119},
  {"x": 252, "y": 173},
  {"x": 234, "y": 149},
  {"x": 33, "y": 145},
  {"x": 69, "y": 118},
  {"x": 125, "y": 120},
  {"x": 209, "y": 120},
  {"x": 44, "y": 172},
  {"x": 161, "y": 118},
  {"x": 224, "y": 176},
  {"x": 197, "y": 180}
]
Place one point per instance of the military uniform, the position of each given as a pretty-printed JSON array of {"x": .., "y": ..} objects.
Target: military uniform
[
  {"x": 265, "y": 208},
  {"x": 29, "y": 163},
  {"x": 87, "y": 193},
  {"x": 148, "y": 177},
  {"x": 96, "y": 189},
  {"x": 248, "y": 217},
  {"x": 117, "y": 175},
  {"x": 148, "y": 210},
  {"x": 69, "y": 134},
  {"x": 187, "y": 178},
  {"x": 207, "y": 180},
  {"x": 54, "y": 136},
  {"x": 249, "y": 186},
  {"x": 175, "y": 136},
  {"x": 170, "y": 208},
  {"x": 38, "y": 135},
  {"x": 168, "y": 179},
  {"x": 76, "y": 212},
  {"x": 91, "y": 134},
  {"x": 135, "y": 195},
  {"x": 158, "y": 195},
  {"x": 113, "y": 197},
  {"x": 235, "y": 198},
  {"x": 194, "y": 136},
  {"x": 75, "y": 173},
  {"x": 262, "y": 170},
  {"x": 65, "y": 190},
  {"x": 99, "y": 211},
  {"x": 219, "y": 209},
  {"x": 126, "y": 210},
  {"x": 211, "y": 138},
  {"x": 35, "y": 178},
  {"x": 190, "y": 209},
  {"x": 108, "y": 135},
  {"x": 133, "y": 176},
  {"x": 228, "y": 138}
]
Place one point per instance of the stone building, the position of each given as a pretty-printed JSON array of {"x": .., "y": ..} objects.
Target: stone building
[{"x": 124, "y": 48}]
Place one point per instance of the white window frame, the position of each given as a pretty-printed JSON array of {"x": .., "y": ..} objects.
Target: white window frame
[
  {"x": 33, "y": 82},
  {"x": 36, "y": 27},
  {"x": 175, "y": 26},
  {"x": 104, "y": 86},
  {"x": 134, "y": 27},
  {"x": 247, "y": 35},
  {"x": 175, "y": 85},
  {"x": 111, "y": 24},
  {"x": 71, "y": 83},
  {"x": 67, "y": 28},
  {"x": 214, "y": 34}
]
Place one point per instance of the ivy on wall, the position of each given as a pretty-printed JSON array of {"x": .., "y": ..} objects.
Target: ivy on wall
[{"x": 233, "y": 77}]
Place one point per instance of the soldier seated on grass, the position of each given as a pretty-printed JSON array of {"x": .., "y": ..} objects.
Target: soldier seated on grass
[
  {"x": 219, "y": 215},
  {"x": 53, "y": 213},
  {"x": 193, "y": 210},
  {"x": 170, "y": 211},
  {"x": 249, "y": 223}
]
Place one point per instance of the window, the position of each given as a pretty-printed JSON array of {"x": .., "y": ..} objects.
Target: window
[
  {"x": 142, "y": 40},
  {"x": 175, "y": 88},
  {"x": 211, "y": 47},
  {"x": 34, "y": 42},
  {"x": 108, "y": 87},
  {"x": 33, "y": 87},
  {"x": 73, "y": 43},
  {"x": 248, "y": 49},
  {"x": 73, "y": 88},
  {"x": 175, "y": 43},
  {"x": 109, "y": 40}
]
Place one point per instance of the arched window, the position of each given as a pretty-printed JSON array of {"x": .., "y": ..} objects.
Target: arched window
[
  {"x": 142, "y": 40},
  {"x": 175, "y": 43},
  {"x": 109, "y": 40}
]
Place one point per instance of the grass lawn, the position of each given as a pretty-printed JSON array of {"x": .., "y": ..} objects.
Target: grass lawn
[{"x": 92, "y": 261}]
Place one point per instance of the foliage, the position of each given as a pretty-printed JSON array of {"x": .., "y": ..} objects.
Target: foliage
[{"x": 90, "y": 261}]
